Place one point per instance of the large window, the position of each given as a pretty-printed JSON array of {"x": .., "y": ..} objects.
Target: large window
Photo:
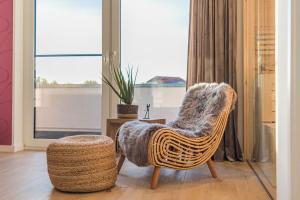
[
  {"x": 154, "y": 39},
  {"x": 68, "y": 60},
  {"x": 68, "y": 50}
]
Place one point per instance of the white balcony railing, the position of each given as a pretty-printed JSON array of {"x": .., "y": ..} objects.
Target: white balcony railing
[{"x": 78, "y": 107}]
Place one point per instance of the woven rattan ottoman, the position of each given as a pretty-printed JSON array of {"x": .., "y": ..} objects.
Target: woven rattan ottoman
[{"x": 83, "y": 163}]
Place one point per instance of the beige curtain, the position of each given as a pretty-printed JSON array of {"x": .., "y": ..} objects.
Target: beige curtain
[{"x": 212, "y": 58}]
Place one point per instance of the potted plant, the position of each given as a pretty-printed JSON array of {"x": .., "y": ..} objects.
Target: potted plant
[{"x": 124, "y": 89}]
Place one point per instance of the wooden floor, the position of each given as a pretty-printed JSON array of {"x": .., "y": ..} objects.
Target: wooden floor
[{"x": 23, "y": 176}]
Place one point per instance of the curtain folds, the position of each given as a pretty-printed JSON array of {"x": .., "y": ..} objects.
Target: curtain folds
[{"x": 212, "y": 58}]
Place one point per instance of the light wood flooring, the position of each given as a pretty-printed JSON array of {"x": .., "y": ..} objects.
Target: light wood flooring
[{"x": 23, "y": 176}]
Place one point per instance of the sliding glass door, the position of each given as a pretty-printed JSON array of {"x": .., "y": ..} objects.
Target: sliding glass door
[
  {"x": 68, "y": 65},
  {"x": 76, "y": 41}
]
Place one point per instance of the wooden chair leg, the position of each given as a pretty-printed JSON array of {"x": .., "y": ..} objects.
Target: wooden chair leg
[
  {"x": 120, "y": 163},
  {"x": 212, "y": 169},
  {"x": 155, "y": 177}
]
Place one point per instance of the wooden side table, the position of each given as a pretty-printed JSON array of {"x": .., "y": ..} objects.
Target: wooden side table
[{"x": 112, "y": 125}]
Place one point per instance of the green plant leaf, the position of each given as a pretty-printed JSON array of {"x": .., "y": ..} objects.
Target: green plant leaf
[{"x": 124, "y": 88}]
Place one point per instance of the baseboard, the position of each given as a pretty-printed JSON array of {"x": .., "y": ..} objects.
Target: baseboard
[
  {"x": 11, "y": 148},
  {"x": 18, "y": 147},
  {"x": 34, "y": 148},
  {"x": 6, "y": 148}
]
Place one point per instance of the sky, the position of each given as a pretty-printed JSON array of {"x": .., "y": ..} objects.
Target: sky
[{"x": 154, "y": 35}]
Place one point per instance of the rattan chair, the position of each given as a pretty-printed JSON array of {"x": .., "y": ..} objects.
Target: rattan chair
[{"x": 170, "y": 149}]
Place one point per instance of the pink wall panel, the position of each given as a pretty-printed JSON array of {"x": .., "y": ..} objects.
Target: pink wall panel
[{"x": 6, "y": 34}]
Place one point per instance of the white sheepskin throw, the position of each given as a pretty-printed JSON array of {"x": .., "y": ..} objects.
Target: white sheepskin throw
[{"x": 197, "y": 116}]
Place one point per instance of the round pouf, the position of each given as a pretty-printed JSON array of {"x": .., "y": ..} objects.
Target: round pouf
[{"x": 82, "y": 163}]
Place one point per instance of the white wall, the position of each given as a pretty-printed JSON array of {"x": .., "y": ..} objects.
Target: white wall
[
  {"x": 288, "y": 98},
  {"x": 17, "y": 115},
  {"x": 283, "y": 96}
]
